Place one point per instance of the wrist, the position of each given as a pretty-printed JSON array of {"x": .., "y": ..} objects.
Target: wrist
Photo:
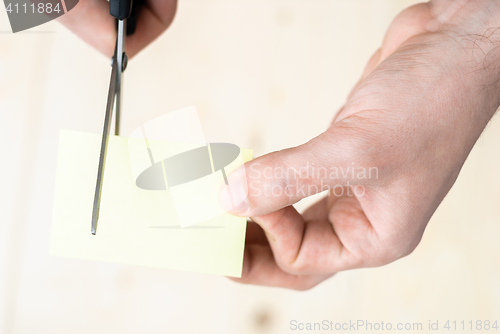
[
  {"x": 475, "y": 28},
  {"x": 466, "y": 15}
]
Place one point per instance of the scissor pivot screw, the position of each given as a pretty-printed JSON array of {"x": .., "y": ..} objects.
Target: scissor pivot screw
[{"x": 124, "y": 61}]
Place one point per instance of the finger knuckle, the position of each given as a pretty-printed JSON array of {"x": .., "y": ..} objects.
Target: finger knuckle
[
  {"x": 304, "y": 283},
  {"x": 293, "y": 267},
  {"x": 394, "y": 249}
]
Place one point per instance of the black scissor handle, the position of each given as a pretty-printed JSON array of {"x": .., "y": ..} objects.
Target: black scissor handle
[
  {"x": 126, "y": 9},
  {"x": 120, "y": 9},
  {"x": 134, "y": 15}
]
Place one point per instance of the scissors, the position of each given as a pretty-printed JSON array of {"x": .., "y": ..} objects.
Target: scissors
[{"x": 126, "y": 13}]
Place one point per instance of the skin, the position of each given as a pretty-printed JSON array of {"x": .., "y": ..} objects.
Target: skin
[
  {"x": 91, "y": 21},
  {"x": 424, "y": 99}
]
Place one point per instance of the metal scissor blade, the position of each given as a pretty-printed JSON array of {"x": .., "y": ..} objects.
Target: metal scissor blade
[
  {"x": 104, "y": 145},
  {"x": 121, "y": 58},
  {"x": 114, "y": 93}
]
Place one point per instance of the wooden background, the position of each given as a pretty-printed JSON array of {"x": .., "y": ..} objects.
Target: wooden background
[{"x": 264, "y": 74}]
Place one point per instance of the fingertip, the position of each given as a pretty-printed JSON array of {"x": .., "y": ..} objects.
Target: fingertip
[{"x": 233, "y": 195}]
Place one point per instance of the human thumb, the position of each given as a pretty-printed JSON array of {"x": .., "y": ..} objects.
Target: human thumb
[{"x": 282, "y": 178}]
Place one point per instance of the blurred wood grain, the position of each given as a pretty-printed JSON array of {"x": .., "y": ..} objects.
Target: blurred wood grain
[{"x": 264, "y": 75}]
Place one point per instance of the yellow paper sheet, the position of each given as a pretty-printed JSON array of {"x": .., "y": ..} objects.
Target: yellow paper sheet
[{"x": 135, "y": 226}]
